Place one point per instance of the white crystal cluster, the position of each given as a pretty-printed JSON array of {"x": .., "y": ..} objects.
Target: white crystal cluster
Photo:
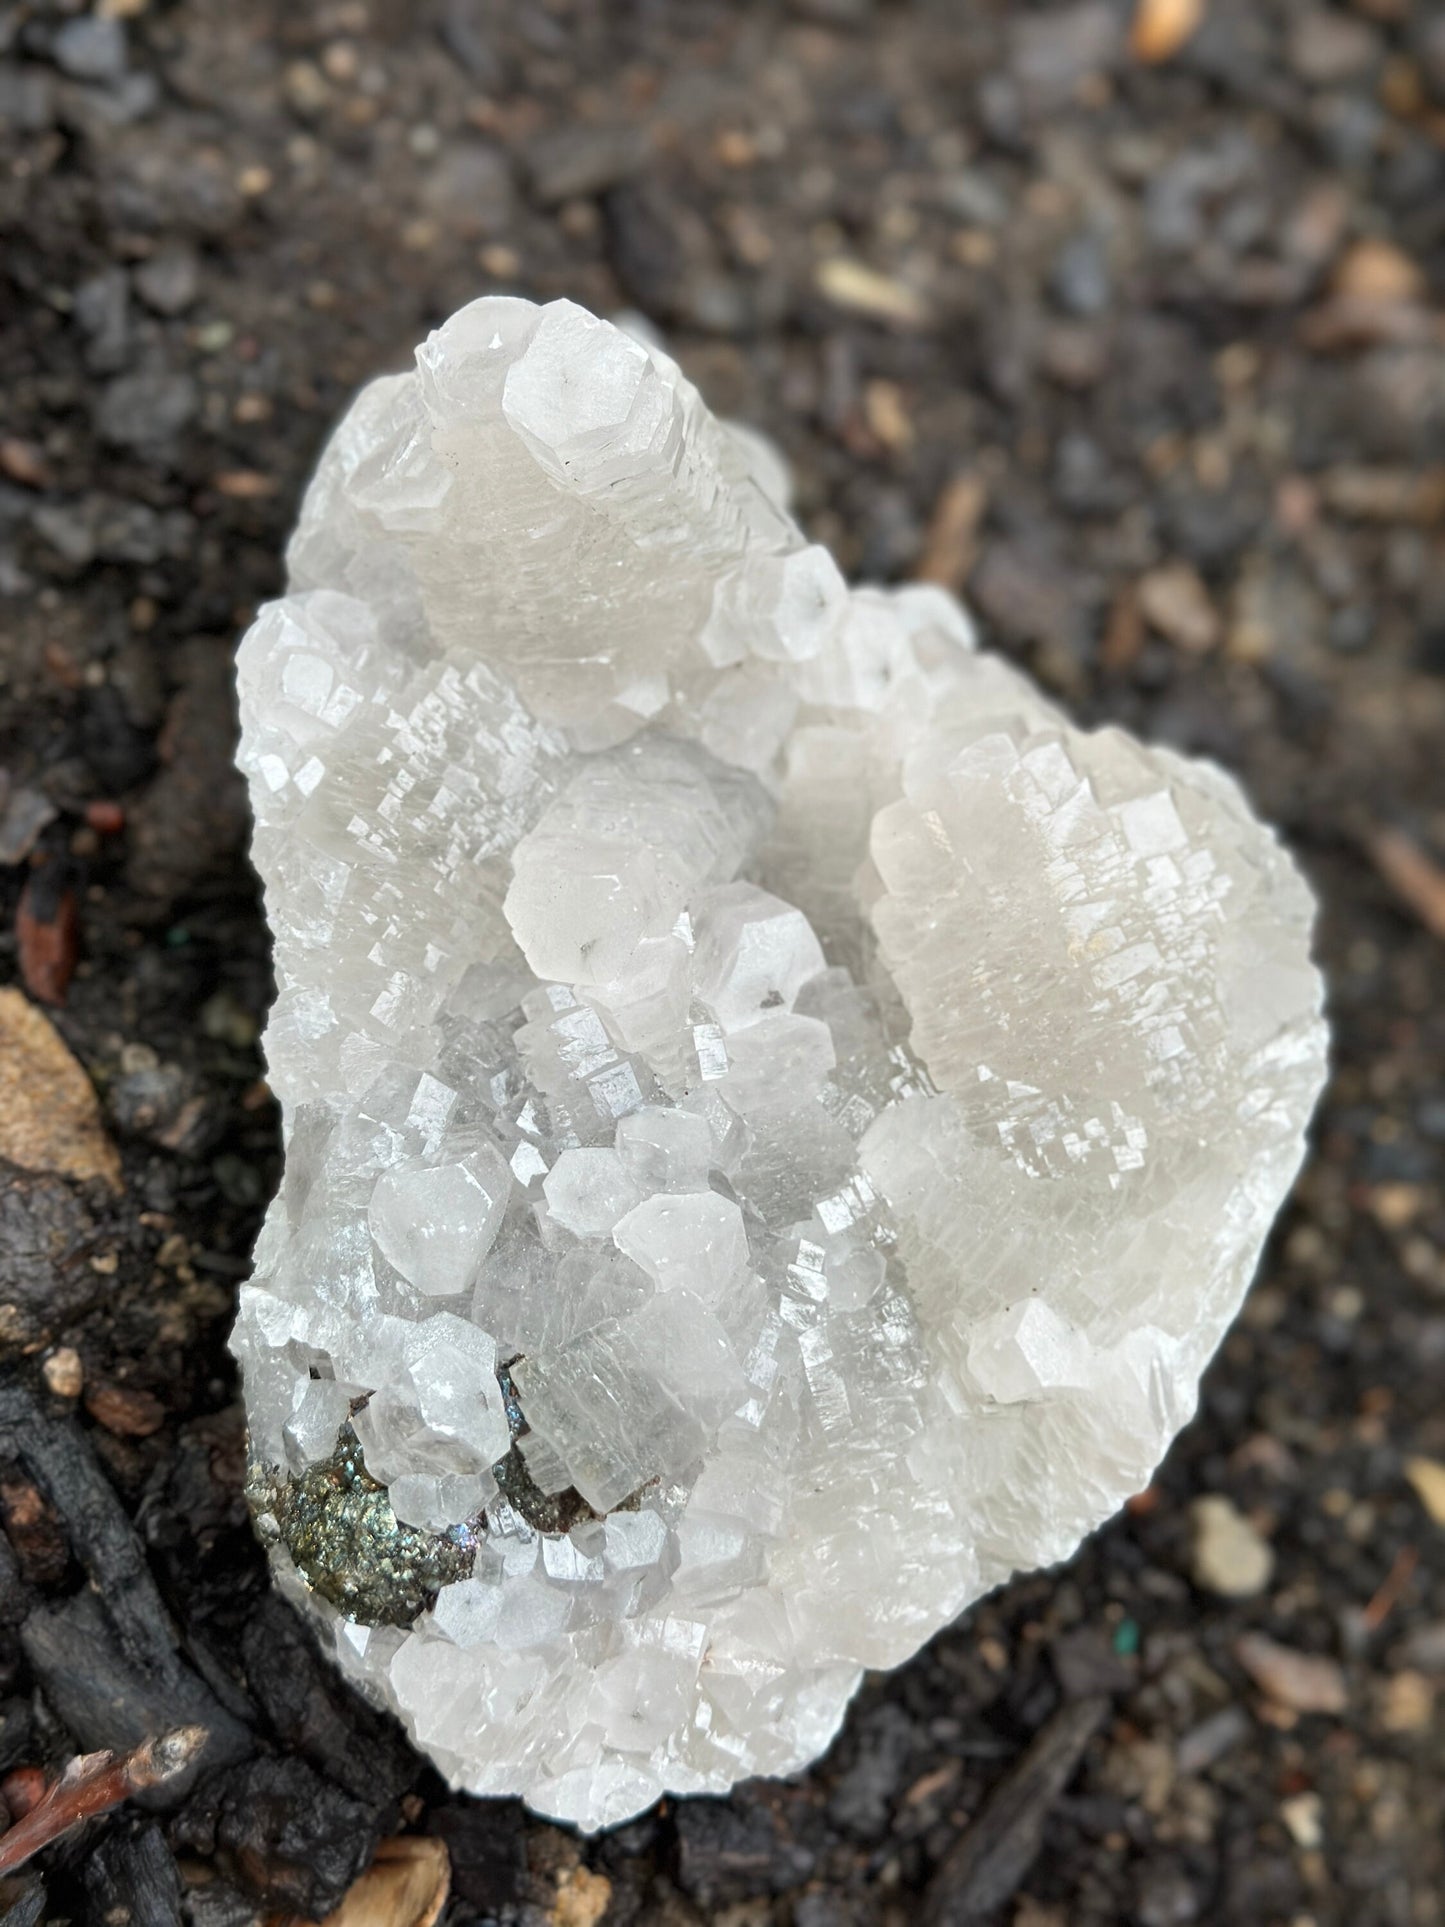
[{"x": 846, "y": 1099}]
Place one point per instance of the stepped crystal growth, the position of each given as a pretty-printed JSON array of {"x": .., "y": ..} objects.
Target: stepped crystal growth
[{"x": 777, "y": 1120}]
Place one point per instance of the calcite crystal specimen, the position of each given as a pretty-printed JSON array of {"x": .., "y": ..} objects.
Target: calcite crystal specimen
[{"x": 777, "y": 1120}]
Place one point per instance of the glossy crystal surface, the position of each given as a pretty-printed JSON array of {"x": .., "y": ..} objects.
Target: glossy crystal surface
[{"x": 777, "y": 1119}]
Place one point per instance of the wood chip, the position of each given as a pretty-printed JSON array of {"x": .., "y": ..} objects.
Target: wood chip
[
  {"x": 852, "y": 285},
  {"x": 49, "y": 1115},
  {"x": 1412, "y": 875},
  {"x": 1123, "y": 633},
  {"x": 1386, "y": 494},
  {"x": 47, "y": 938},
  {"x": 1161, "y": 27},
  {"x": 886, "y": 413},
  {"x": 950, "y": 547},
  {"x": 1344, "y": 323},
  {"x": 243, "y": 484},
  {"x": 24, "y": 814},
  {"x": 33, "y": 1527},
  {"x": 1428, "y": 1478},
  {"x": 124, "y": 1411}
]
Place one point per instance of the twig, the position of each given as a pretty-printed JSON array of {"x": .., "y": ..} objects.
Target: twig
[
  {"x": 1412, "y": 875},
  {"x": 985, "y": 1865},
  {"x": 1391, "y": 1586},
  {"x": 94, "y": 1783}
]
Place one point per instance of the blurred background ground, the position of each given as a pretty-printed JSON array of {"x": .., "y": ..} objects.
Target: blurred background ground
[{"x": 1137, "y": 344}]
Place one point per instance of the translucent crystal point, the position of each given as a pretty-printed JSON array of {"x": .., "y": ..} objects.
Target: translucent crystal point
[{"x": 777, "y": 1119}]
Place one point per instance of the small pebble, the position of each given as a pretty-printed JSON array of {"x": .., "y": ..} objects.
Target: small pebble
[
  {"x": 1303, "y": 1682},
  {"x": 144, "y": 412},
  {"x": 1161, "y": 27},
  {"x": 1229, "y": 1557},
  {"x": 575, "y": 161},
  {"x": 852, "y": 285},
  {"x": 1208, "y": 1742},
  {"x": 23, "y": 462},
  {"x": 1327, "y": 47},
  {"x": 169, "y": 281},
  {"x": 1407, "y": 1703},
  {"x": 63, "y": 1372},
  {"x": 1176, "y": 603},
  {"x": 90, "y": 49},
  {"x": 1080, "y": 278},
  {"x": 1304, "y": 1815},
  {"x": 226, "y": 1019},
  {"x": 1375, "y": 270}
]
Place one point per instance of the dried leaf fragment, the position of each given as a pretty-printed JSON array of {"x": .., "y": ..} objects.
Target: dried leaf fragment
[{"x": 49, "y": 1115}]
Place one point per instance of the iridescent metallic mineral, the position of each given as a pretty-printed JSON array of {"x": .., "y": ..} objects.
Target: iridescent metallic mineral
[{"x": 777, "y": 1119}]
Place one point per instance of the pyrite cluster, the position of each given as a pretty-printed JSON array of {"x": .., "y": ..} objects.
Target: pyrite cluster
[{"x": 777, "y": 1120}]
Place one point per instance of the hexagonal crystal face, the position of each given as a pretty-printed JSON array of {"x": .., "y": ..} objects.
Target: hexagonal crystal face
[{"x": 777, "y": 1120}]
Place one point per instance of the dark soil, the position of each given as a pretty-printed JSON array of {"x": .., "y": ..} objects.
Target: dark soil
[{"x": 1153, "y": 369}]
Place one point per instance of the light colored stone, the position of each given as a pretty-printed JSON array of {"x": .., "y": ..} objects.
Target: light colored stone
[
  {"x": 49, "y": 1118},
  {"x": 777, "y": 1119},
  {"x": 1228, "y": 1556},
  {"x": 1303, "y": 1682},
  {"x": 63, "y": 1372}
]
